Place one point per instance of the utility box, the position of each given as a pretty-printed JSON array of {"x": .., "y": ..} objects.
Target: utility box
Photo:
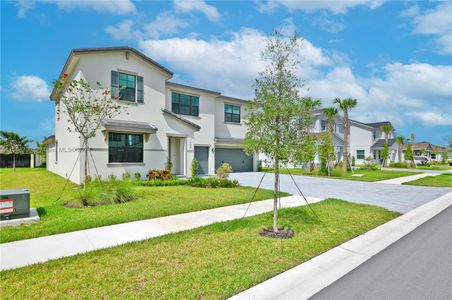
[{"x": 14, "y": 204}]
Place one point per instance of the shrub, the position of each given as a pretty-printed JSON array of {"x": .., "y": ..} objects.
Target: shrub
[
  {"x": 212, "y": 182},
  {"x": 104, "y": 192},
  {"x": 399, "y": 165},
  {"x": 126, "y": 176},
  {"x": 112, "y": 177},
  {"x": 159, "y": 182},
  {"x": 137, "y": 176},
  {"x": 169, "y": 165},
  {"x": 154, "y": 174},
  {"x": 194, "y": 167},
  {"x": 224, "y": 170}
]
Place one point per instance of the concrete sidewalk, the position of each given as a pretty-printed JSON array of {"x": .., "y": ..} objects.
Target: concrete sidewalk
[
  {"x": 404, "y": 179},
  {"x": 22, "y": 253},
  {"x": 307, "y": 279}
]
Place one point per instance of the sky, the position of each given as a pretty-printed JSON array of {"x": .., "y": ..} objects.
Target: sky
[{"x": 394, "y": 57}]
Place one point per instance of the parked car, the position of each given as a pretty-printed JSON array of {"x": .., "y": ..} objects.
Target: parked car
[{"x": 421, "y": 160}]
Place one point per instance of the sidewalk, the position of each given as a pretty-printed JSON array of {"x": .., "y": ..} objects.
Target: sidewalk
[
  {"x": 401, "y": 180},
  {"x": 22, "y": 253},
  {"x": 305, "y": 280}
]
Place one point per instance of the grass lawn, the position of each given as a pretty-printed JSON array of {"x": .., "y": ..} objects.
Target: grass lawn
[
  {"x": 435, "y": 167},
  {"x": 368, "y": 175},
  {"x": 153, "y": 202},
  {"x": 443, "y": 180},
  {"x": 212, "y": 262}
]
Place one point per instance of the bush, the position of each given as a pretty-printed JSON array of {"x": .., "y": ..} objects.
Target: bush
[
  {"x": 194, "y": 167},
  {"x": 104, "y": 192},
  {"x": 399, "y": 165},
  {"x": 154, "y": 174},
  {"x": 159, "y": 182},
  {"x": 126, "y": 176},
  {"x": 212, "y": 182},
  {"x": 112, "y": 177},
  {"x": 137, "y": 176},
  {"x": 224, "y": 170}
]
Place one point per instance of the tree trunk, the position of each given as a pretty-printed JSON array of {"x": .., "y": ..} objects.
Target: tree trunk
[
  {"x": 275, "y": 196},
  {"x": 14, "y": 162},
  {"x": 86, "y": 163},
  {"x": 400, "y": 154},
  {"x": 344, "y": 153}
]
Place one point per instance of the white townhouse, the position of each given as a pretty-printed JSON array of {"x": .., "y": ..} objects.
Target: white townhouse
[{"x": 166, "y": 121}]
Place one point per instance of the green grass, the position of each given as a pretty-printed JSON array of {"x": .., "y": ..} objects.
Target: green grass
[
  {"x": 368, "y": 175},
  {"x": 212, "y": 262},
  {"x": 443, "y": 180},
  {"x": 152, "y": 202},
  {"x": 435, "y": 167}
]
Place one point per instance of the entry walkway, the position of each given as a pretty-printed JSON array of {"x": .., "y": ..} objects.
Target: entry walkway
[
  {"x": 404, "y": 179},
  {"x": 22, "y": 253}
]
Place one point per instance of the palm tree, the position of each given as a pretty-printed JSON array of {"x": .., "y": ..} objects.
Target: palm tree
[
  {"x": 330, "y": 114},
  {"x": 400, "y": 141},
  {"x": 345, "y": 105},
  {"x": 387, "y": 128},
  {"x": 14, "y": 144}
]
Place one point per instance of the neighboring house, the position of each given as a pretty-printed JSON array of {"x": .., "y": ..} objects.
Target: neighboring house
[
  {"x": 166, "y": 121},
  {"x": 26, "y": 160},
  {"x": 423, "y": 149}
]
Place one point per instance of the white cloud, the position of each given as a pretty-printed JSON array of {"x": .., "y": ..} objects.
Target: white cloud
[
  {"x": 333, "y": 6},
  {"x": 163, "y": 25},
  {"x": 327, "y": 24},
  {"x": 122, "y": 32},
  {"x": 117, "y": 7},
  {"x": 435, "y": 22},
  {"x": 432, "y": 118},
  {"x": 209, "y": 11},
  {"x": 29, "y": 88}
]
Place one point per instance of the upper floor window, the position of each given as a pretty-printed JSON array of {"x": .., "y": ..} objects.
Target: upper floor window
[
  {"x": 127, "y": 87},
  {"x": 323, "y": 125},
  {"x": 125, "y": 148},
  {"x": 232, "y": 113},
  {"x": 184, "y": 104}
]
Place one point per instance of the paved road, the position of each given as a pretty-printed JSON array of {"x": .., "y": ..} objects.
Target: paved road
[
  {"x": 401, "y": 198},
  {"x": 418, "y": 266}
]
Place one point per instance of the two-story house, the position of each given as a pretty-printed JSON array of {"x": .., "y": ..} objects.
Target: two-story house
[{"x": 166, "y": 121}]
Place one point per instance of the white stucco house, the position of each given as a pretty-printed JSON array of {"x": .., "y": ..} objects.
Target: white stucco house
[{"x": 166, "y": 121}]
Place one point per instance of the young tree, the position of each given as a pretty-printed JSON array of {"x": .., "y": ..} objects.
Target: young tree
[
  {"x": 345, "y": 105},
  {"x": 387, "y": 128},
  {"x": 306, "y": 151},
  {"x": 326, "y": 153},
  {"x": 409, "y": 154},
  {"x": 86, "y": 108},
  {"x": 275, "y": 109},
  {"x": 385, "y": 154},
  {"x": 330, "y": 113},
  {"x": 14, "y": 144},
  {"x": 400, "y": 141}
]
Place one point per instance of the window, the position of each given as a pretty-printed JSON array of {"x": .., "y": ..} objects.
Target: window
[
  {"x": 127, "y": 87},
  {"x": 232, "y": 113},
  {"x": 184, "y": 104},
  {"x": 125, "y": 148},
  {"x": 360, "y": 154},
  {"x": 322, "y": 125}
]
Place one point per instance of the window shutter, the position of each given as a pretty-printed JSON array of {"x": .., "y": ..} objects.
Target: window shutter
[
  {"x": 140, "y": 98},
  {"x": 114, "y": 84}
]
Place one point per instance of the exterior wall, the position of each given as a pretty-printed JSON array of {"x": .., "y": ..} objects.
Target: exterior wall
[{"x": 360, "y": 139}]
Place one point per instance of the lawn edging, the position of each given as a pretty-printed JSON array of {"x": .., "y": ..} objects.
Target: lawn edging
[{"x": 307, "y": 279}]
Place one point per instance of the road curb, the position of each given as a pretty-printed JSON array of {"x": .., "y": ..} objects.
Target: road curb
[{"x": 307, "y": 279}]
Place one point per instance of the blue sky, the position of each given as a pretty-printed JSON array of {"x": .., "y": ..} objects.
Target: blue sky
[{"x": 394, "y": 57}]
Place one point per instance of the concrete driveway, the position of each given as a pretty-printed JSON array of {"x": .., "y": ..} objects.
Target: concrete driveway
[{"x": 400, "y": 198}]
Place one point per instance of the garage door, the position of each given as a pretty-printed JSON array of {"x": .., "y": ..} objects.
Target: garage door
[
  {"x": 202, "y": 156},
  {"x": 236, "y": 157}
]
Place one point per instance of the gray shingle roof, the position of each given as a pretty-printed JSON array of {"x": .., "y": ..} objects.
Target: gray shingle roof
[
  {"x": 379, "y": 124},
  {"x": 381, "y": 142},
  {"x": 168, "y": 112}
]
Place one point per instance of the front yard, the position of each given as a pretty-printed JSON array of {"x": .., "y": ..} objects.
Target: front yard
[
  {"x": 212, "y": 262},
  {"x": 153, "y": 202},
  {"x": 367, "y": 175},
  {"x": 443, "y": 180}
]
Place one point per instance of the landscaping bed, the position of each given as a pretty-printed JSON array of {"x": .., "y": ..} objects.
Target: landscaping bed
[
  {"x": 212, "y": 262},
  {"x": 367, "y": 175},
  {"x": 150, "y": 202},
  {"x": 443, "y": 180}
]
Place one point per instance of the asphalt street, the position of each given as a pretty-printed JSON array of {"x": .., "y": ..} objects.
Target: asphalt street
[{"x": 418, "y": 266}]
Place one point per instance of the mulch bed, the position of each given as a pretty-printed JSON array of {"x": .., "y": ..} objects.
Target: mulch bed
[{"x": 283, "y": 233}]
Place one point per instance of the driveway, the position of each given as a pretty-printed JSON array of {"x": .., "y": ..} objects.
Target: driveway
[
  {"x": 400, "y": 198},
  {"x": 418, "y": 266}
]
